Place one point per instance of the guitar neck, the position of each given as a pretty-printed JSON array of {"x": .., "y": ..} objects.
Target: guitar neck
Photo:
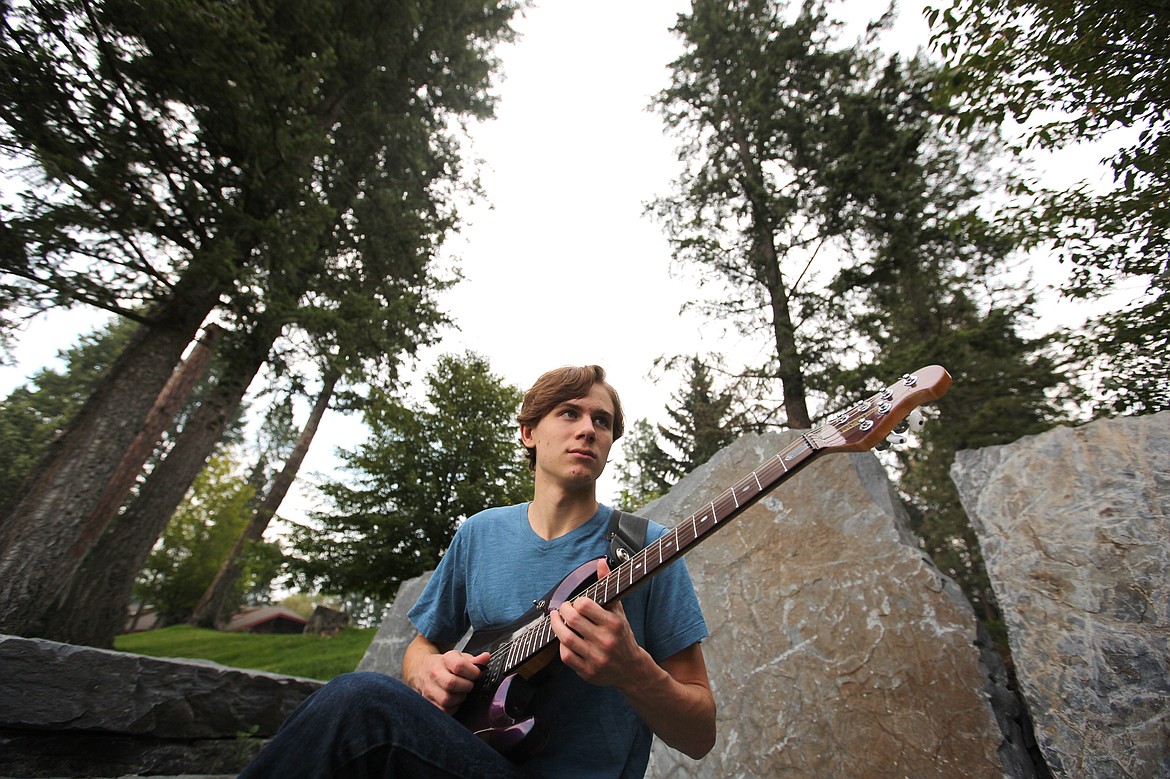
[
  {"x": 859, "y": 428},
  {"x": 688, "y": 533},
  {"x": 657, "y": 555}
]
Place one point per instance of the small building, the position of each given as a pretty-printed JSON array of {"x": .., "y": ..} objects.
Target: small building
[
  {"x": 140, "y": 617},
  {"x": 266, "y": 619}
]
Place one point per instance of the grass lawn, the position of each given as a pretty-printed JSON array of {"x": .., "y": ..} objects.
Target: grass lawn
[{"x": 310, "y": 656}]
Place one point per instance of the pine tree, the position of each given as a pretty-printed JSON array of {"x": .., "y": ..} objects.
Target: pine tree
[
  {"x": 1066, "y": 74},
  {"x": 700, "y": 425}
]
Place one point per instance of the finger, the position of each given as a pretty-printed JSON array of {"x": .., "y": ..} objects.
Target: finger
[
  {"x": 603, "y": 568},
  {"x": 570, "y": 639},
  {"x": 463, "y": 665}
]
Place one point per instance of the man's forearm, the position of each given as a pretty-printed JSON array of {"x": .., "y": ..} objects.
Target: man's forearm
[
  {"x": 412, "y": 661},
  {"x": 679, "y": 710}
]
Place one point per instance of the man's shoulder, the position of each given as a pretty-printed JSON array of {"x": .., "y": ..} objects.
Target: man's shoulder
[{"x": 493, "y": 519}]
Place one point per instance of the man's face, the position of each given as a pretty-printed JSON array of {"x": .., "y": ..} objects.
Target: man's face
[{"x": 573, "y": 440}]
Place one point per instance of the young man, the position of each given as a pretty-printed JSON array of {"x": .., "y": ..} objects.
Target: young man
[{"x": 630, "y": 671}]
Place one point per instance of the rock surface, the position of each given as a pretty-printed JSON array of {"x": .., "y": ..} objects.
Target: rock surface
[
  {"x": 1075, "y": 530},
  {"x": 836, "y": 648},
  {"x": 76, "y": 711},
  {"x": 396, "y": 631}
]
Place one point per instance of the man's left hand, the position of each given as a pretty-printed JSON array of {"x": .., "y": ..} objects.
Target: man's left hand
[{"x": 598, "y": 643}]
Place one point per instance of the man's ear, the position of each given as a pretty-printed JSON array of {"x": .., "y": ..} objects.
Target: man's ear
[{"x": 526, "y": 435}]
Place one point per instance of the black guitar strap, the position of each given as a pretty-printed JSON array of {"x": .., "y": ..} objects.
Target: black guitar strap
[{"x": 627, "y": 536}]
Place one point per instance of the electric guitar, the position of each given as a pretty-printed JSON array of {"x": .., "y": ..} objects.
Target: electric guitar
[{"x": 521, "y": 650}]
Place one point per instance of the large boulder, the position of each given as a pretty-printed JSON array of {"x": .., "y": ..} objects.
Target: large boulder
[
  {"x": 837, "y": 648},
  {"x": 76, "y": 711},
  {"x": 395, "y": 632},
  {"x": 1075, "y": 530}
]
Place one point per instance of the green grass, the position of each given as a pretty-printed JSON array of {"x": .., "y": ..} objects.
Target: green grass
[{"x": 311, "y": 656}]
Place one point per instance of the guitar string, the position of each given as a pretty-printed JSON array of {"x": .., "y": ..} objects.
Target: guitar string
[{"x": 519, "y": 649}]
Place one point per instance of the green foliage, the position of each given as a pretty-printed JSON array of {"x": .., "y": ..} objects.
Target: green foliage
[
  {"x": 1072, "y": 73},
  {"x": 644, "y": 471},
  {"x": 699, "y": 426},
  {"x": 825, "y": 192},
  {"x": 423, "y": 469},
  {"x": 296, "y": 162},
  {"x": 197, "y": 540},
  {"x": 308, "y": 656},
  {"x": 34, "y": 414}
]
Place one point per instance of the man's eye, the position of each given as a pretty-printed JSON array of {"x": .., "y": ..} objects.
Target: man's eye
[{"x": 601, "y": 422}]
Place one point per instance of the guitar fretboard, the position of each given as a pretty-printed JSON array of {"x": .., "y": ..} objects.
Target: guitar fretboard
[{"x": 660, "y": 553}]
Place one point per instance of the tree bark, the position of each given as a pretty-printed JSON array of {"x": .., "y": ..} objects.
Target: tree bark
[
  {"x": 215, "y": 600},
  {"x": 93, "y": 611},
  {"x": 46, "y": 527}
]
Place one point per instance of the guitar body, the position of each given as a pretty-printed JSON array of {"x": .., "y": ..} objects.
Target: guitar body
[{"x": 498, "y": 713}]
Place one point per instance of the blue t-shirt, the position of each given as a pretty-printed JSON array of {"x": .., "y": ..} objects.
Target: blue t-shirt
[{"x": 496, "y": 567}]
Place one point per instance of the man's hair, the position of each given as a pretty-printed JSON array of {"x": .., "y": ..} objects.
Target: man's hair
[{"x": 559, "y": 385}]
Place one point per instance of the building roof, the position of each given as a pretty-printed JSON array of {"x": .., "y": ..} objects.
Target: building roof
[{"x": 258, "y": 615}]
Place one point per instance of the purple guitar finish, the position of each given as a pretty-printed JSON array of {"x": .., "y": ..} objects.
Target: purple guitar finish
[{"x": 494, "y": 710}]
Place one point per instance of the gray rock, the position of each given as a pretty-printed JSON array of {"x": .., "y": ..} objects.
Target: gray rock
[
  {"x": 836, "y": 648},
  {"x": 1075, "y": 530},
  {"x": 385, "y": 652},
  {"x": 77, "y": 711}
]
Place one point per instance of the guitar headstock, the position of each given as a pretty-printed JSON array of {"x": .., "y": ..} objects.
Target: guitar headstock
[{"x": 867, "y": 423}]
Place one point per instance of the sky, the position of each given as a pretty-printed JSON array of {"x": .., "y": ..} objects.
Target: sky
[{"x": 560, "y": 264}]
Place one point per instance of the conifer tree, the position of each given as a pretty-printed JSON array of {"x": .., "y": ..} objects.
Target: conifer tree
[{"x": 424, "y": 468}]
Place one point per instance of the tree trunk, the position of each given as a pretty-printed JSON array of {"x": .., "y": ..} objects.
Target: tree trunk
[
  {"x": 46, "y": 527},
  {"x": 169, "y": 402},
  {"x": 763, "y": 232},
  {"x": 215, "y": 600},
  {"x": 93, "y": 611}
]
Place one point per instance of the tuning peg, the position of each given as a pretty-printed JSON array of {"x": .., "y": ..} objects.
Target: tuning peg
[{"x": 915, "y": 421}]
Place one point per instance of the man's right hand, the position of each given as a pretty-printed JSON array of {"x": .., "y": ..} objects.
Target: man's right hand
[{"x": 443, "y": 679}]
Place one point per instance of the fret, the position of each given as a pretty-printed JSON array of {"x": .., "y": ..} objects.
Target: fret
[
  {"x": 780, "y": 460},
  {"x": 759, "y": 486}
]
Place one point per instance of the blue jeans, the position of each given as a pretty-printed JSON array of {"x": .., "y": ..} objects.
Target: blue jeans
[{"x": 371, "y": 725}]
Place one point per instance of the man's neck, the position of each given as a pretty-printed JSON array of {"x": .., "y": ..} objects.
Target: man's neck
[{"x": 553, "y": 513}]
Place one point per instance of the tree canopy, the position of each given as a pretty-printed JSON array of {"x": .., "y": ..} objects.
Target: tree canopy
[
  {"x": 276, "y": 164},
  {"x": 1068, "y": 74},
  {"x": 825, "y": 192},
  {"x": 423, "y": 469}
]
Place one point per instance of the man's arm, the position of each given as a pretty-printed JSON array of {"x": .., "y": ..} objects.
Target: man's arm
[
  {"x": 674, "y": 698},
  {"x": 439, "y": 673}
]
